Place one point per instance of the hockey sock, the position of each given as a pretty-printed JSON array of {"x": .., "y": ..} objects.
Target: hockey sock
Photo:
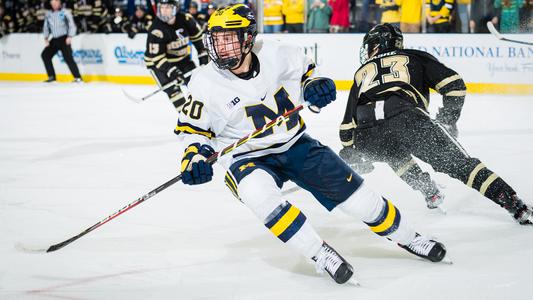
[
  {"x": 290, "y": 225},
  {"x": 379, "y": 214}
]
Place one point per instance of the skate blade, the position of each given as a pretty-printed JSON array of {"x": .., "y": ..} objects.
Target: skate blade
[
  {"x": 439, "y": 208},
  {"x": 446, "y": 260},
  {"x": 354, "y": 282}
]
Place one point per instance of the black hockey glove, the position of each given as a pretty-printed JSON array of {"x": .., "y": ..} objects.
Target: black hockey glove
[
  {"x": 131, "y": 34},
  {"x": 203, "y": 58},
  {"x": 319, "y": 91},
  {"x": 356, "y": 161},
  {"x": 175, "y": 74},
  {"x": 194, "y": 168}
]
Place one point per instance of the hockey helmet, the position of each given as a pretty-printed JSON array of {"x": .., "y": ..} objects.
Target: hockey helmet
[
  {"x": 175, "y": 6},
  {"x": 381, "y": 38},
  {"x": 231, "y": 29}
]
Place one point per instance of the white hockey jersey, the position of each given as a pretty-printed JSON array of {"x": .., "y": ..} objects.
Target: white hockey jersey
[{"x": 222, "y": 108}]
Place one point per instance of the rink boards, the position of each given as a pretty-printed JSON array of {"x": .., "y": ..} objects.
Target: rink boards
[{"x": 488, "y": 65}]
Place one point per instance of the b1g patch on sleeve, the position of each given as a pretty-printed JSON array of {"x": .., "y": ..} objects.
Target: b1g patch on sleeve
[{"x": 158, "y": 33}]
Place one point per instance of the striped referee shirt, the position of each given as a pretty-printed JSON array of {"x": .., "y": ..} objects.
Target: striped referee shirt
[{"x": 59, "y": 23}]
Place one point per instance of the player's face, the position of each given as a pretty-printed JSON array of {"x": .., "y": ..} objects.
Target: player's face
[
  {"x": 166, "y": 10},
  {"x": 227, "y": 44},
  {"x": 56, "y": 4},
  {"x": 139, "y": 13}
]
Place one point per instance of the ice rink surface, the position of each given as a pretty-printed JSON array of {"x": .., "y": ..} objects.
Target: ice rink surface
[{"x": 70, "y": 155}]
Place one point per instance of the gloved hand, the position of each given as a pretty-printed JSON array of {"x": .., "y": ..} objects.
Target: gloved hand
[
  {"x": 356, "y": 161},
  {"x": 446, "y": 120},
  {"x": 175, "y": 73},
  {"x": 131, "y": 34},
  {"x": 194, "y": 168},
  {"x": 203, "y": 58},
  {"x": 319, "y": 91}
]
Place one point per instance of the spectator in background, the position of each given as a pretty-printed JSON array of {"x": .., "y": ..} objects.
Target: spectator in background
[
  {"x": 526, "y": 17},
  {"x": 294, "y": 12},
  {"x": 82, "y": 11},
  {"x": 211, "y": 8},
  {"x": 411, "y": 15},
  {"x": 340, "y": 16},
  {"x": 272, "y": 16},
  {"x": 509, "y": 15},
  {"x": 438, "y": 15},
  {"x": 7, "y": 25},
  {"x": 390, "y": 11},
  {"x": 318, "y": 16},
  {"x": 481, "y": 12},
  {"x": 200, "y": 17},
  {"x": 23, "y": 17},
  {"x": 139, "y": 22},
  {"x": 59, "y": 25},
  {"x": 463, "y": 13},
  {"x": 117, "y": 23}
]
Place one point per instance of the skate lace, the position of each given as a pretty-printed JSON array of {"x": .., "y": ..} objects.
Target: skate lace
[
  {"x": 328, "y": 260},
  {"x": 421, "y": 245}
]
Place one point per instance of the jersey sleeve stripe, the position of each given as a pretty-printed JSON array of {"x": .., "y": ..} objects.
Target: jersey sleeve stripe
[
  {"x": 446, "y": 81},
  {"x": 191, "y": 129}
]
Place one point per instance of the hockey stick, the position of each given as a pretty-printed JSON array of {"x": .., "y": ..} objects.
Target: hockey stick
[
  {"x": 139, "y": 100},
  {"x": 212, "y": 159},
  {"x": 499, "y": 36}
]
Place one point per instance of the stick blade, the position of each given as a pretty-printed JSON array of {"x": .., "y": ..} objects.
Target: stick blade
[
  {"x": 131, "y": 97},
  {"x": 30, "y": 249},
  {"x": 493, "y": 30}
]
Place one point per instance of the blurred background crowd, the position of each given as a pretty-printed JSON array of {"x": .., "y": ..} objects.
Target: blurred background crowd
[{"x": 287, "y": 16}]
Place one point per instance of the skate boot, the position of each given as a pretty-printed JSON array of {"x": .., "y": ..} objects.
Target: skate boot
[
  {"x": 434, "y": 200},
  {"x": 514, "y": 205},
  {"x": 426, "y": 248},
  {"x": 337, "y": 267}
]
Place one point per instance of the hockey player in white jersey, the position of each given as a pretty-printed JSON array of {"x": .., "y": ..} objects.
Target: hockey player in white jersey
[{"x": 245, "y": 85}]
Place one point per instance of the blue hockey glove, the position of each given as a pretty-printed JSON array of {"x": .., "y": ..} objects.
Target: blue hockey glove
[
  {"x": 194, "y": 168},
  {"x": 319, "y": 91}
]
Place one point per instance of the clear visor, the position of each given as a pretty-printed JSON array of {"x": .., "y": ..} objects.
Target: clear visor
[{"x": 162, "y": 12}]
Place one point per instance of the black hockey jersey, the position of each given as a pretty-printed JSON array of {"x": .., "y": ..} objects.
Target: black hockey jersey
[
  {"x": 168, "y": 44},
  {"x": 395, "y": 81}
]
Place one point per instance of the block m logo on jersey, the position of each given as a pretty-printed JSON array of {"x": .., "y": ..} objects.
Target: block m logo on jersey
[{"x": 260, "y": 112}]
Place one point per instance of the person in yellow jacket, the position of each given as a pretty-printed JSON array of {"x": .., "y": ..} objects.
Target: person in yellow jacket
[
  {"x": 411, "y": 16},
  {"x": 272, "y": 16},
  {"x": 439, "y": 15},
  {"x": 294, "y": 11},
  {"x": 390, "y": 11}
]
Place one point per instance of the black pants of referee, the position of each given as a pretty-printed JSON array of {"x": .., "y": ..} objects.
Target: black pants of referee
[
  {"x": 59, "y": 44},
  {"x": 413, "y": 132}
]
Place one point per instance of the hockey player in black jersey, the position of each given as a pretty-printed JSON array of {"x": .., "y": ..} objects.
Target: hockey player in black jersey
[
  {"x": 388, "y": 106},
  {"x": 168, "y": 54}
]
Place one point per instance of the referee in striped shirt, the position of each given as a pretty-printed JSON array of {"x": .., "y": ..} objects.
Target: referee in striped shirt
[{"x": 59, "y": 26}]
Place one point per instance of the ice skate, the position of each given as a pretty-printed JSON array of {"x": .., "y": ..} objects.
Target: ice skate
[
  {"x": 522, "y": 213},
  {"x": 337, "y": 267},
  {"x": 426, "y": 248},
  {"x": 434, "y": 200}
]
